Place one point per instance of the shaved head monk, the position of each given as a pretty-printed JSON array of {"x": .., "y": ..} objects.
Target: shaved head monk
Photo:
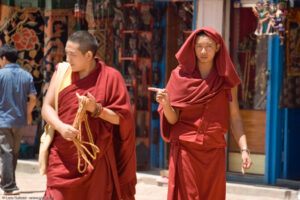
[
  {"x": 195, "y": 109},
  {"x": 111, "y": 174}
]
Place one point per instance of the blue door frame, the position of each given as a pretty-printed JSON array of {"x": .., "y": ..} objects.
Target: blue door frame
[{"x": 275, "y": 116}]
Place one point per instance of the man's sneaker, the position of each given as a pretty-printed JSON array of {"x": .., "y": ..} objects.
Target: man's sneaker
[{"x": 14, "y": 192}]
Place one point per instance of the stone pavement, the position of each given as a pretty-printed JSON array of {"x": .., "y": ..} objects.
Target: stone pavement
[{"x": 32, "y": 186}]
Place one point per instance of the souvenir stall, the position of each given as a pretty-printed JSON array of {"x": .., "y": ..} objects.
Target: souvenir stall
[
  {"x": 148, "y": 35},
  {"x": 137, "y": 37},
  {"x": 173, "y": 24},
  {"x": 140, "y": 39},
  {"x": 249, "y": 53},
  {"x": 264, "y": 51}
]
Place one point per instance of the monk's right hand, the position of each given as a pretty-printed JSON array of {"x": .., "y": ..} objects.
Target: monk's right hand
[
  {"x": 67, "y": 131},
  {"x": 162, "y": 95}
]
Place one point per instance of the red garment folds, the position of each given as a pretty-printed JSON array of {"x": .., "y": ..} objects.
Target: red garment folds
[
  {"x": 114, "y": 174},
  {"x": 197, "y": 157}
]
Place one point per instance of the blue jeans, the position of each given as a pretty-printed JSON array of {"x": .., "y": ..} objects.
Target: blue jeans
[{"x": 10, "y": 139}]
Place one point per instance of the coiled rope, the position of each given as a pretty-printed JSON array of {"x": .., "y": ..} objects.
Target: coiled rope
[{"x": 82, "y": 150}]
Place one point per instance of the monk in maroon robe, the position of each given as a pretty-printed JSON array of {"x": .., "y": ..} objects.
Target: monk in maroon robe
[
  {"x": 195, "y": 109},
  {"x": 113, "y": 172}
]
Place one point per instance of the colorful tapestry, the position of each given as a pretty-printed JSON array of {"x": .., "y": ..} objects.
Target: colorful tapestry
[
  {"x": 59, "y": 24},
  {"x": 100, "y": 34},
  {"x": 24, "y": 28},
  {"x": 105, "y": 37},
  {"x": 290, "y": 93}
]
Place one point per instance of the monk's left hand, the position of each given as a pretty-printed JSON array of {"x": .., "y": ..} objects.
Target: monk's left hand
[
  {"x": 247, "y": 162},
  {"x": 91, "y": 104}
]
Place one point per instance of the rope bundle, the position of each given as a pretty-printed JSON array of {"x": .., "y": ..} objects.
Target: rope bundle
[{"x": 82, "y": 150}]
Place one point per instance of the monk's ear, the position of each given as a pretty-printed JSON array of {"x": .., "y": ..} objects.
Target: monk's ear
[
  {"x": 218, "y": 47},
  {"x": 89, "y": 55}
]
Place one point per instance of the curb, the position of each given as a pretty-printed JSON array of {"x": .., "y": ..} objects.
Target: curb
[
  {"x": 31, "y": 167},
  {"x": 261, "y": 191}
]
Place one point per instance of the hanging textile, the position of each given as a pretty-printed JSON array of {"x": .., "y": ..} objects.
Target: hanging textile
[
  {"x": 59, "y": 24},
  {"x": 23, "y": 28},
  {"x": 290, "y": 93}
]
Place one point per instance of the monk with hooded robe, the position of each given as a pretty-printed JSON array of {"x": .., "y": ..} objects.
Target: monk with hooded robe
[
  {"x": 195, "y": 109},
  {"x": 113, "y": 172}
]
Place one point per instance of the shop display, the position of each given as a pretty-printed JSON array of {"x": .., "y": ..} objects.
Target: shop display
[
  {"x": 290, "y": 93},
  {"x": 293, "y": 43},
  {"x": 135, "y": 52},
  {"x": 250, "y": 54},
  {"x": 156, "y": 47},
  {"x": 185, "y": 13},
  {"x": 271, "y": 18}
]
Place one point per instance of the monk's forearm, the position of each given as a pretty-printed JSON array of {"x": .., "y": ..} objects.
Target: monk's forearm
[
  {"x": 170, "y": 114},
  {"x": 110, "y": 116},
  {"x": 50, "y": 116},
  {"x": 237, "y": 129}
]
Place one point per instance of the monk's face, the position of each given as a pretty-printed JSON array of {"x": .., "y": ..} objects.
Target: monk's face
[
  {"x": 78, "y": 60},
  {"x": 205, "y": 49}
]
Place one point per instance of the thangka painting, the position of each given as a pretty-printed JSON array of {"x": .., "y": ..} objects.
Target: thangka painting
[
  {"x": 290, "y": 93},
  {"x": 293, "y": 43},
  {"x": 59, "y": 24},
  {"x": 24, "y": 28}
]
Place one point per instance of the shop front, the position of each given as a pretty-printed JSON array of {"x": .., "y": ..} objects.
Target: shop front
[
  {"x": 139, "y": 38},
  {"x": 263, "y": 47}
]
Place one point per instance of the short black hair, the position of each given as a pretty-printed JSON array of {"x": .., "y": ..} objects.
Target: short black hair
[
  {"x": 202, "y": 33},
  {"x": 9, "y": 52},
  {"x": 86, "y": 40}
]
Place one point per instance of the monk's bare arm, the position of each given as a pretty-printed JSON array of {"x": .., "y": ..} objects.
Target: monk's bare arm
[
  {"x": 48, "y": 110},
  {"x": 162, "y": 97},
  {"x": 110, "y": 116},
  {"x": 171, "y": 114},
  {"x": 237, "y": 126},
  {"x": 50, "y": 115},
  {"x": 105, "y": 113}
]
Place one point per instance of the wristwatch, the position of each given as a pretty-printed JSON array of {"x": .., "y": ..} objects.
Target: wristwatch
[{"x": 245, "y": 149}]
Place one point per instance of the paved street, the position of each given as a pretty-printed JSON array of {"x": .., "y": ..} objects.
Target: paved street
[{"x": 32, "y": 186}]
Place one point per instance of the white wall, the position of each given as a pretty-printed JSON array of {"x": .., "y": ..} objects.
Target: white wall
[
  {"x": 215, "y": 14},
  {"x": 210, "y": 13}
]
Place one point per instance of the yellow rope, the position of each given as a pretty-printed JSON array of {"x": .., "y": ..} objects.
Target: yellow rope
[{"x": 82, "y": 150}]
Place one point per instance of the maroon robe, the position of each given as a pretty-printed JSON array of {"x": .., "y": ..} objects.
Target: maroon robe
[
  {"x": 197, "y": 156},
  {"x": 114, "y": 174}
]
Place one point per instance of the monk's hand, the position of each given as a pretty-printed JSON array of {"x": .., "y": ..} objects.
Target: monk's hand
[
  {"x": 162, "y": 95},
  {"x": 91, "y": 104},
  {"x": 67, "y": 131},
  {"x": 247, "y": 162}
]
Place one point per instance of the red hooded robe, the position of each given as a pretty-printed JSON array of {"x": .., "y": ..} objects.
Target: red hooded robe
[
  {"x": 197, "y": 156},
  {"x": 114, "y": 174}
]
